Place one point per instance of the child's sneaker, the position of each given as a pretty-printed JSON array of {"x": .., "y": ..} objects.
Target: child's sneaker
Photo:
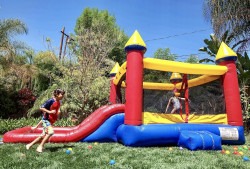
[
  {"x": 39, "y": 149},
  {"x": 28, "y": 146}
]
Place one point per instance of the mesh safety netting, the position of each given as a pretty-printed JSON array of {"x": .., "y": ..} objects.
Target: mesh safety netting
[{"x": 204, "y": 99}]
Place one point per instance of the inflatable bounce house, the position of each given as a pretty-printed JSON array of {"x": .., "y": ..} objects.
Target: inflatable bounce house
[{"x": 210, "y": 114}]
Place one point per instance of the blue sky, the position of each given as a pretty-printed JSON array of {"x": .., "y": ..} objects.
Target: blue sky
[{"x": 155, "y": 19}]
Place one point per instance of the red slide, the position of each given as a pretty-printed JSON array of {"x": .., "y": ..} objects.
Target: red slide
[{"x": 66, "y": 134}]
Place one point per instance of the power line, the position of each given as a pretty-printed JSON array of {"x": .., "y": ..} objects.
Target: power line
[
  {"x": 187, "y": 33},
  {"x": 192, "y": 54},
  {"x": 196, "y": 54}
]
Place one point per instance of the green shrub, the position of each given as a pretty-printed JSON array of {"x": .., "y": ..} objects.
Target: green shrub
[
  {"x": 245, "y": 103},
  {"x": 25, "y": 100},
  {"x": 8, "y": 106}
]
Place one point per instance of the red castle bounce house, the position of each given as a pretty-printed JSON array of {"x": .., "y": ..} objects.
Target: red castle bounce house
[{"x": 132, "y": 125}]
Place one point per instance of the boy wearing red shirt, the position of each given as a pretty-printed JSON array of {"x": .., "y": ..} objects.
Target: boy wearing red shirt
[{"x": 50, "y": 111}]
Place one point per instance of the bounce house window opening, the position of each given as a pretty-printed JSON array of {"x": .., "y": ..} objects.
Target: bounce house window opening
[
  {"x": 204, "y": 99},
  {"x": 122, "y": 98}
]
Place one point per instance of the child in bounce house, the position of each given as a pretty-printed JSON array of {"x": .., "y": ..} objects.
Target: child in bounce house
[
  {"x": 175, "y": 100},
  {"x": 50, "y": 111}
]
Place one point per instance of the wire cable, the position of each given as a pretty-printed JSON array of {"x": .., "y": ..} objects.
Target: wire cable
[{"x": 187, "y": 33}]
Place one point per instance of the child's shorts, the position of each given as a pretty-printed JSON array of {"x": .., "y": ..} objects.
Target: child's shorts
[{"x": 47, "y": 128}]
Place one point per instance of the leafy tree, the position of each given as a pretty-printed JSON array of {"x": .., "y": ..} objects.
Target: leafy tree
[
  {"x": 232, "y": 16},
  {"x": 192, "y": 59},
  {"x": 164, "y": 54},
  {"x": 98, "y": 22},
  {"x": 83, "y": 76},
  {"x": 46, "y": 64},
  {"x": 86, "y": 88}
]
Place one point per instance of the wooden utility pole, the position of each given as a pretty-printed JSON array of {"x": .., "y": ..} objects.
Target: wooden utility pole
[
  {"x": 65, "y": 47},
  {"x": 61, "y": 44}
]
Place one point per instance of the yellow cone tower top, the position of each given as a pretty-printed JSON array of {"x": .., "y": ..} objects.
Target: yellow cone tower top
[
  {"x": 225, "y": 54},
  {"x": 175, "y": 78},
  {"x": 135, "y": 43},
  {"x": 177, "y": 94},
  {"x": 115, "y": 69}
]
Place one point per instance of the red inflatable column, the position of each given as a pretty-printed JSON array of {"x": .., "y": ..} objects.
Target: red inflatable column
[
  {"x": 113, "y": 88},
  {"x": 227, "y": 57},
  {"x": 135, "y": 48},
  {"x": 185, "y": 81},
  {"x": 112, "y": 92}
]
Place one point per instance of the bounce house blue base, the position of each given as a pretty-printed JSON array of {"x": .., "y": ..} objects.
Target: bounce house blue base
[
  {"x": 199, "y": 135},
  {"x": 190, "y": 136}
]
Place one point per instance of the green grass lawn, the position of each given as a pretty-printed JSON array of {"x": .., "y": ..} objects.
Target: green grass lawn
[{"x": 99, "y": 156}]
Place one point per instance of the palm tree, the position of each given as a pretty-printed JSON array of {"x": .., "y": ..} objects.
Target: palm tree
[
  {"x": 213, "y": 44},
  {"x": 8, "y": 47},
  {"x": 232, "y": 16},
  {"x": 243, "y": 62},
  {"x": 211, "y": 49},
  {"x": 30, "y": 70},
  {"x": 243, "y": 67}
]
